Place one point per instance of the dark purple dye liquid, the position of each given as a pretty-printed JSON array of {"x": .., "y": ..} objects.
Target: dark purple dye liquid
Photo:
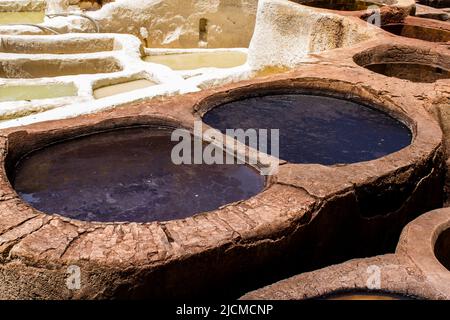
[
  {"x": 316, "y": 129},
  {"x": 127, "y": 175}
]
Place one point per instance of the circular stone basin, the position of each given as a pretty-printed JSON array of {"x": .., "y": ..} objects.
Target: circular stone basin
[
  {"x": 339, "y": 5},
  {"x": 315, "y": 129},
  {"x": 442, "y": 248},
  {"x": 414, "y": 72},
  {"x": 127, "y": 175},
  {"x": 418, "y": 32}
]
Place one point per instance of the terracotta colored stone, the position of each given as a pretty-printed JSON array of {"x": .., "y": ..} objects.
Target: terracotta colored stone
[
  {"x": 220, "y": 251},
  {"x": 413, "y": 271}
]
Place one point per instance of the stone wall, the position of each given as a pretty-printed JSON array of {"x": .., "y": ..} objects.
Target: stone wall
[
  {"x": 182, "y": 23},
  {"x": 286, "y": 32}
]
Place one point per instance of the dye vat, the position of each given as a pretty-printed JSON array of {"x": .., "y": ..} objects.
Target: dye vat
[
  {"x": 29, "y": 69},
  {"x": 414, "y": 72},
  {"x": 190, "y": 61},
  {"x": 418, "y": 32},
  {"x": 339, "y": 5},
  {"x": 366, "y": 296},
  {"x": 108, "y": 91},
  {"x": 314, "y": 128},
  {"x": 442, "y": 248},
  {"x": 127, "y": 175},
  {"x": 35, "y": 92},
  {"x": 21, "y": 17},
  {"x": 42, "y": 45}
]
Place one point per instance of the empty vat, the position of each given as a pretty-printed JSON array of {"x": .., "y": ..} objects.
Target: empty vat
[
  {"x": 315, "y": 128},
  {"x": 405, "y": 62},
  {"x": 415, "y": 72},
  {"x": 418, "y": 32},
  {"x": 196, "y": 60},
  {"x": 35, "y": 92},
  {"x": 127, "y": 175},
  {"x": 114, "y": 89}
]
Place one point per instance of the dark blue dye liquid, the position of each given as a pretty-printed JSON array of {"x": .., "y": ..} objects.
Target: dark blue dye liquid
[
  {"x": 127, "y": 175},
  {"x": 316, "y": 129}
]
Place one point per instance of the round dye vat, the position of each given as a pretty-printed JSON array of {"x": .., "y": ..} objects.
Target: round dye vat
[
  {"x": 414, "y": 72},
  {"x": 315, "y": 129},
  {"x": 339, "y": 5},
  {"x": 127, "y": 175}
]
